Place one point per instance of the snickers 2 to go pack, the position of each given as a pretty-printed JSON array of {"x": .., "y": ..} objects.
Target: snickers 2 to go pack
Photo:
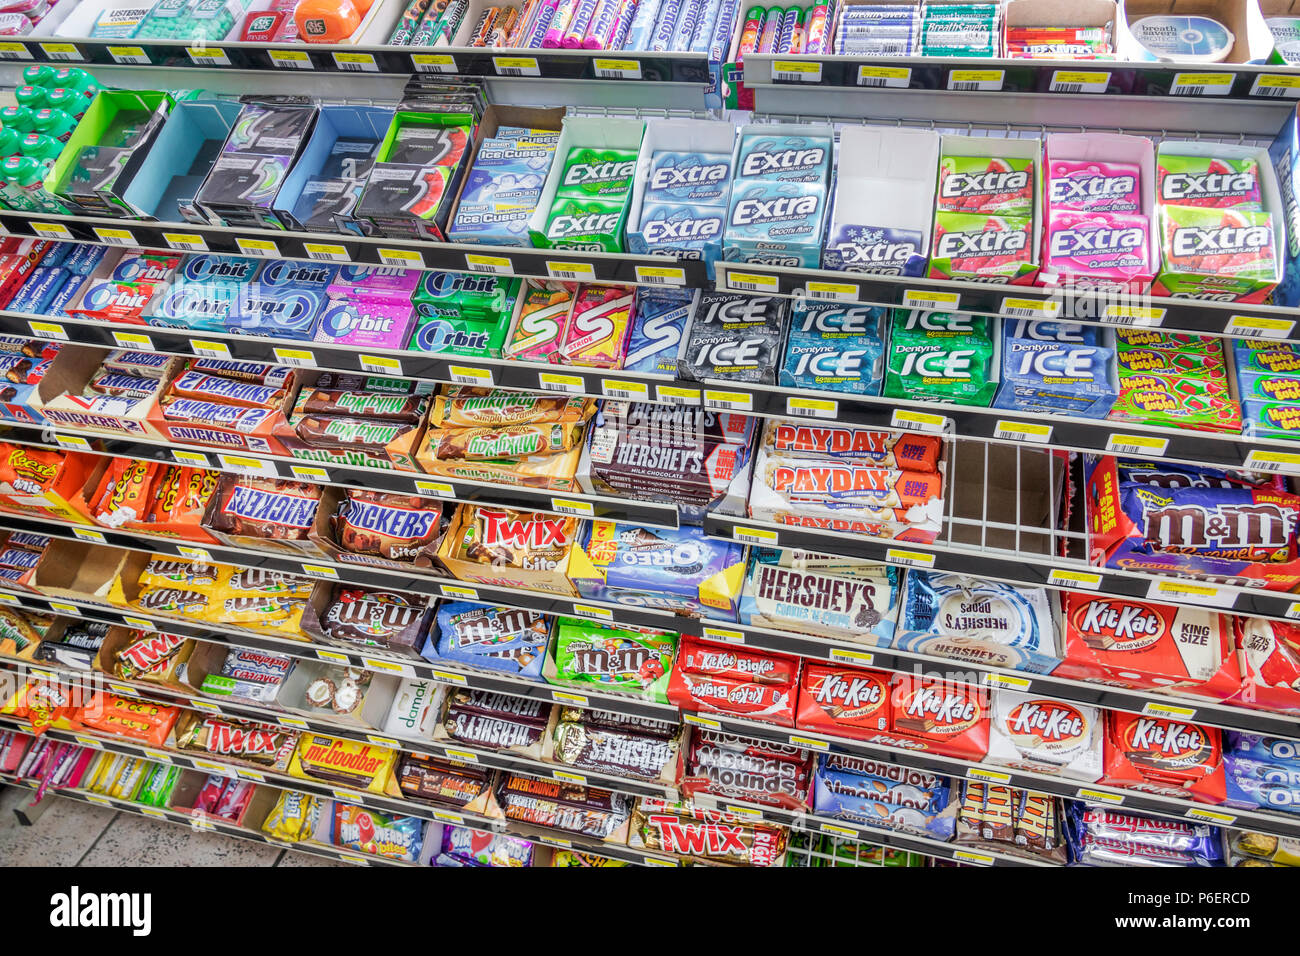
[{"x": 417, "y": 172}]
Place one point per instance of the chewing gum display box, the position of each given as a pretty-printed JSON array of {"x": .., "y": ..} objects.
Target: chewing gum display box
[
  {"x": 1057, "y": 368},
  {"x": 1284, "y": 154},
  {"x": 1119, "y": 527},
  {"x": 681, "y": 571},
  {"x": 1071, "y": 240},
  {"x": 779, "y": 195},
  {"x": 595, "y": 133},
  {"x": 884, "y": 197},
  {"x": 109, "y": 144},
  {"x": 263, "y": 145},
  {"x": 320, "y": 192},
  {"x": 59, "y": 397},
  {"x": 1211, "y": 248},
  {"x": 1116, "y": 640},
  {"x": 679, "y": 199}
]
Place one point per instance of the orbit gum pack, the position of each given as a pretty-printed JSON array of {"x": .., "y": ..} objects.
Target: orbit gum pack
[{"x": 1219, "y": 221}]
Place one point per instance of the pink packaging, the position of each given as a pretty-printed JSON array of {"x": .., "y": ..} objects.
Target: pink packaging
[
  {"x": 371, "y": 322},
  {"x": 543, "y": 318},
  {"x": 373, "y": 281},
  {"x": 14, "y": 25},
  {"x": 596, "y": 334},
  {"x": 1108, "y": 249},
  {"x": 1087, "y": 185}
]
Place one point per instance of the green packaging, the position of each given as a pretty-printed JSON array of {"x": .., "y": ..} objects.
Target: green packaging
[
  {"x": 591, "y": 225},
  {"x": 611, "y": 658},
  {"x": 598, "y": 174},
  {"x": 954, "y": 362}
]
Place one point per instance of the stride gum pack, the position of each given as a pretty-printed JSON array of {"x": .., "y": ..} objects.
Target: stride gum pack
[
  {"x": 1220, "y": 222},
  {"x": 779, "y": 196}
]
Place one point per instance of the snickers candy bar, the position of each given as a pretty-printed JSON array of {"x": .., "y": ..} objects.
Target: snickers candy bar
[
  {"x": 276, "y": 376},
  {"x": 227, "y": 391},
  {"x": 122, "y": 384},
  {"x": 497, "y": 733},
  {"x": 148, "y": 364},
  {"x": 500, "y": 705},
  {"x": 398, "y": 527},
  {"x": 423, "y": 777},
  {"x": 384, "y": 406},
  {"x": 267, "y": 508},
  {"x": 236, "y": 417},
  {"x": 595, "y": 748},
  {"x": 321, "y": 431}
]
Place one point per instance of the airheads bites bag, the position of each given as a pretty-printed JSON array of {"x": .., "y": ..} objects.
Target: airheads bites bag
[
  {"x": 983, "y": 248},
  {"x": 1208, "y": 182},
  {"x": 1214, "y": 253},
  {"x": 991, "y": 186}
]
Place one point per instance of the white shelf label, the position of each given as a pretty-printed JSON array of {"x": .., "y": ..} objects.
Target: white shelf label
[
  {"x": 195, "y": 459},
  {"x": 51, "y": 230},
  {"x": 599, "y": 613},
  {"x": 925, "y": 299},
  {"x": 207, "y": 56},
  {"x": 846, "y": 656},
  {"x": 434, "y": 63},
  {"x": 1078, "y": 81},
  {"x": 752, "y": 282},
  {"x": 133, "y": 340},
  {"x": 832, "y": 291},
  {"x": 909, "y": 559},
  {"x": 63, "y": 51},
  {"x": 301, "y": 358},
  {"x": 1146, "y": 445},
  {"x": 1152, "y": 709},
  {"x": 1280, "y": 461},
  {"x": 48, "y": 330},
  {"x": 380, "y": 364},
  {"x": 917, "y": 421},
  {"x": 116, "y": 237},
  {"x": 185, "y": 241},
  {"x": 458, "y": 591},
  {"x": 760, "y": 536},
  {"x": 258, "y": 247},
  {"x": 325, "y": 252},
  {"x": 450, "y": 677},
  {"x": 567, "y": 506},
  {"x": 569, "y": 384},
  {"x": 728, "y": 401},
  {"x": 210, "y": 349},
  {"x": 1274, "y": 85},
  {"x": 564, "y": 697},
  {"x": 129, "y": 55},
  {"x": 1190, "y": 592},
  {"x": 982, "y": 81},
  {"x": 723, "y": 634},
  {"x": 632, "y": 391},
  {"x": 1258, "y": 326},
  {"x": 990, "y": 776},
  {"x": 1020, "y": 308},
  {"x": 673, "y": 395},
  {"x": 438, "y": 489},
  {"x": 466, "y": 375},
  {"x": 404, "y": 258},
  {"x": 1086, "y": 580},
  {"x": 248, "y": 466},
  {"x": 893, "y": 78},
  {"x": 1132, "y": 316},
  {"x": 797, "y": 71},
  {"x": 1006, "y": 681}
]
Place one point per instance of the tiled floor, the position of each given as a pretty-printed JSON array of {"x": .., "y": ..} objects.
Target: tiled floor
[{"x": 72, "y": 833}]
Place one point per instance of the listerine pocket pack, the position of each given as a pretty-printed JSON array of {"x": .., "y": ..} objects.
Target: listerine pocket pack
[
  {"x": 1057, "y": 368},
  {"x": 777, "y": 210},
  {"x": 834, "y": 347},
  {"x": 242, "y": 185},
  {"x": 679, "y": 202},
  {"x": 417, "y": 172},
  {"x": 733, "y": 337}
]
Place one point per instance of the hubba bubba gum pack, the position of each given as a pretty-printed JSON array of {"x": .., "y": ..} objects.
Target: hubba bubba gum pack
[
  {"x": 1220, "y": 221},
  {"x": 985, "y": 209},
  {"x": 1268, "y": 383},
  {"x": 584, "y": 203},
  {"x": 843, "y": 598},
  {"x": 849, "y": 479},
  {"x": 779, "y": 195},
  {"x": 951, "y": 357},
  {"x": 834, "y": 347},
  {"x": 1058, "y": 368},
  {"x": 1173, "y": 378},
  {"x": 680, "y": 570},
  {"x": 983, "y": 622},
  {"x": 1208, "y": 524}
]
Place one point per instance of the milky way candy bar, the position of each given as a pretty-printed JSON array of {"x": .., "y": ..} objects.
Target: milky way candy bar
[
  {"x": 362, "y": 404},
  {"x": 321, "y": 431}
]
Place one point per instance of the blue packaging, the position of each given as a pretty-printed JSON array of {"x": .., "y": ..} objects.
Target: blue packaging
[
  {"x": 1261, "y": 785},
  {"x": 876, "y": 250},
  {"x": 680, "y": 570},
  {"x": 775, "y": 223},
  {"x": 527, "y": 135},
  {"x": 501, "y": 190},
  {"x": 695, "y": 179},
  {"x": 290, "y": 273},
  {"x": 66, "y": 293},
  {"x": 898, "y": 798},
  {"x": 56, "y": 254},
  {"x": 835, "y": 348},
  {"x": 277, "y": 311},
  {"x": 511, "y": 640},
  {"x": 1047, "y": 367},
  {"x": 83, "y": 259},
  {"x": 657, "y": 328},
  {"x": 784, "y": 158},
  {"x": 39, "y": 289},
  {"x": 193, "y": 305},
  {"x": 1278, "y": 750},
  {"x": 684, "y": 232},
  {"x": 1284, "y": 153},
  {"x": 214, "y": 269}
]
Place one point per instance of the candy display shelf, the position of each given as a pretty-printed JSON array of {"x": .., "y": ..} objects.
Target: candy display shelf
[
  {"x": 1205, "y": 711},
  {"x": 378, "y": 479},
  {"x": 293, "y": 58},
  {"x": 246, "y": 710},
  {"x": 205, "y": 824},
  {"x": 987, "y": 424},
  {"x": 1215, "y": 83}
]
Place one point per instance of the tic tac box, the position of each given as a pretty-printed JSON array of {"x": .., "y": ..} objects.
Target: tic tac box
[
  {"x": 1284, "y": 154},
  {"x": 61, "y": 400},
  {"x": 592, "y": 132},
  {"x": 683, "y": 183},
  {"x": 1196, "y": 238},
  {"x": 1044, "y": 735},
  {"x": 1181, "y": 650},
  {"x": 1102, "y": 148},
  {"x": 780, "y": 195},
  {"x": 682, "y": 571},
  {"x": 1122, "y": 521},
  {"x": 884, "y": 194}
]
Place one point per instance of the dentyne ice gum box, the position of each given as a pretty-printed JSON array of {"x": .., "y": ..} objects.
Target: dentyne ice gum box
[
  {"x": 834, "y": 347},
  {"x": 1057, "y": 368},
  {"x": 1093, "y": 186},
  {"x": 1103, "y": 248}
]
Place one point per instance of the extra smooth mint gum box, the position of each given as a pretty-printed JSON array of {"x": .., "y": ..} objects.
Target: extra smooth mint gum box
[{"x": 1284, "y": 155}]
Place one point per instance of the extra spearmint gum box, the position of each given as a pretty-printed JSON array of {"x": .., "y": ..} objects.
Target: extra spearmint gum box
[
  {"x": 1216, "y": 253},
  {"x": 1093, "y": 186},
  {"x": 983, "y": 248},
  {"x": 1104, "y": 248},
  {"x": 982, "y": 185}
]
